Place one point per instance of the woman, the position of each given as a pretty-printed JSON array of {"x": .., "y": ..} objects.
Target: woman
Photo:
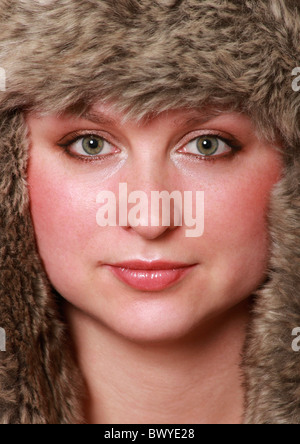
[{"x": 135, "y": 322}]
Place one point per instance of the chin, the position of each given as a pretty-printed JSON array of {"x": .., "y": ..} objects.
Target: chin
[
  {"x": 153, "y": 325},
  {"x": 152, "y": 335}
]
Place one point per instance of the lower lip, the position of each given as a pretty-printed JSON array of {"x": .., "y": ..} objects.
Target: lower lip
[{"x": 150, "y": 280}]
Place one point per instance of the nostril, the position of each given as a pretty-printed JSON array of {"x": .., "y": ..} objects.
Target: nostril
[{"x": 150, "y": 233}]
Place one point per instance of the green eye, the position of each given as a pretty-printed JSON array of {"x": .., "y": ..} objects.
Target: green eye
[
  {"x": 93, "y": 145},
  {"x": 207, "y": 145}
]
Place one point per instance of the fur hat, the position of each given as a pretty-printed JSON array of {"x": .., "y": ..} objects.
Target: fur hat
[{"x": 147, "y": 56}]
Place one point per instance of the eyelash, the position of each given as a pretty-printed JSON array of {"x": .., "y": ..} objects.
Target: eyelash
[
  {"x": 232, "y": 143},
  {"x": 66, "y": 148}
]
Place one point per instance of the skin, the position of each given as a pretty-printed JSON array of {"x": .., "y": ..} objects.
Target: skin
[{"x": 155, "y": 357}]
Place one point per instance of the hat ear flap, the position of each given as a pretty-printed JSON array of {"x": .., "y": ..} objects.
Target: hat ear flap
[
  {"x": 271, "y": 365},
  {"x": 37, "y": 371}
]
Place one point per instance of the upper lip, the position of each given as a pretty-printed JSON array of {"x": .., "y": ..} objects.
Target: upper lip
[{"x": 151, "y": 265}]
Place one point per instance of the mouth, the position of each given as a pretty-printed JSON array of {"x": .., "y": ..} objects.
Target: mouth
[{"x": 150, "y": 276}]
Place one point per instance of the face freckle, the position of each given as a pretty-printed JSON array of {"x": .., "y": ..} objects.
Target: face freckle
[{"x": 231, "y": 257}]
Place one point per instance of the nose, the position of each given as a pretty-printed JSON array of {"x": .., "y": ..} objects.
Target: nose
[{"x": 154, "y": 205}]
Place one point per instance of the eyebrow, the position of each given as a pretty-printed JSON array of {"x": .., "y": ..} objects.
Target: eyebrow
[
  {"x": 99, "y": 118},
  {"x": 195, "y": 117}
]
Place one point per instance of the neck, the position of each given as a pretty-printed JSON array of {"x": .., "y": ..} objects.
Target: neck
[{"x": 196, "y": 379}]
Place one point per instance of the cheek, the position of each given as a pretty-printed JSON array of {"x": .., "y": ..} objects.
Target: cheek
[
  {"x": 240, "y": 205},
  {"x": 64, "y": 215},
  {"x": 236, "y": 237}
]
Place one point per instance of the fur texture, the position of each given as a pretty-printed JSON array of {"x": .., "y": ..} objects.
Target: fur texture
[{"x": 146, "y": 56}]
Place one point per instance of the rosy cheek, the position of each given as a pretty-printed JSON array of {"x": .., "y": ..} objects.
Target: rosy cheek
[
  {"x": 62, "y": 210},
  {"x": 236, "y": 210}
]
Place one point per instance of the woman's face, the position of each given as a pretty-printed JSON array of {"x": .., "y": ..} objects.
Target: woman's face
[{"x": 151, "y": 282}]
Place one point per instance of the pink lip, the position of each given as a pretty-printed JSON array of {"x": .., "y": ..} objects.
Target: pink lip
[{"x": 150, "y": 276}]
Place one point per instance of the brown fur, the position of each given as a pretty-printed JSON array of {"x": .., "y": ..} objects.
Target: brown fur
[{"x": 146, "y": 56}]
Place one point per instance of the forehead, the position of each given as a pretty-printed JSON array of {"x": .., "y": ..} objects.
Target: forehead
[
  {"x": 172, "y": 122},
  {"x": 110, "y": 115}
]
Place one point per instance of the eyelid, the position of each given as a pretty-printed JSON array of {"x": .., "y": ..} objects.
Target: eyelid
[
  {"x": 74, "y": 136},
  {"x": 70, "y": 139},
  {"x": 227, "y": 138},
  {"x": 231, "y": 141}
]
